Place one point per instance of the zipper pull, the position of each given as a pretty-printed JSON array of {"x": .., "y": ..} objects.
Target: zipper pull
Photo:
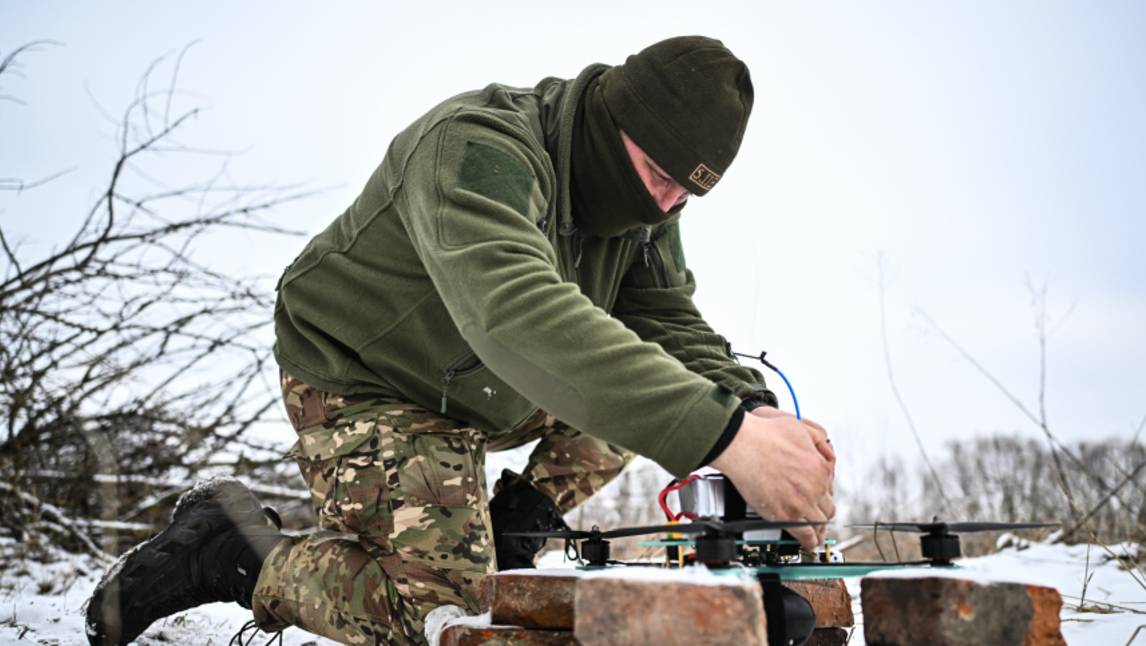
[
  {"x": 445, "y": 387},
  {"x": 645, "y": 249}
]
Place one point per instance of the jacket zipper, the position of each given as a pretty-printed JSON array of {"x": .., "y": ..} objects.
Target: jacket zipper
[
  {"x": 458, "y": 368},
  {"x": 654, "y": 261}
]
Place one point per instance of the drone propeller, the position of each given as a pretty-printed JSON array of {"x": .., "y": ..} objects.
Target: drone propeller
[
  {"x": 565, "y": 533},
  {"x": 940, "y": 541},
  {"x": 995, "y": 527},
  {"x": 957, "y": 528},
  {"x": 695, "y": 527},
  {"x": 749, "y": 525}
]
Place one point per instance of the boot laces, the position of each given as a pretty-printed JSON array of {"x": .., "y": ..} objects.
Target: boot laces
[{"x": 240, "y": 638}]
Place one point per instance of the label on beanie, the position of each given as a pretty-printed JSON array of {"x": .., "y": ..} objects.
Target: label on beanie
[{"x": 704, "y": 177}]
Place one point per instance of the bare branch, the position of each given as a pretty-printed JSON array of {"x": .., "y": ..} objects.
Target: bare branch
[
  {"x": 9, "y": 253},
  {"x": 895, "y": 389},
  {"x": 10, "y": 64},
  {"x": 19, "y": 185},
  {"x": 1080, "y": 523}
]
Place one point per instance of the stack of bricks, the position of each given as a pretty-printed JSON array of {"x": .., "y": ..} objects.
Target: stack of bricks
[
  {"x": 648, "y": 606},
  {"x": 638, "y": 606},
  {"x": 526, "y": 608}
]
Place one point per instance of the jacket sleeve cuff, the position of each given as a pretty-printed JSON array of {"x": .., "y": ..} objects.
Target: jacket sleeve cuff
[
  {"x": 725, "y": 438},
  {"x": 759, "y": 395},
  {"x": 752, "y": 403}
]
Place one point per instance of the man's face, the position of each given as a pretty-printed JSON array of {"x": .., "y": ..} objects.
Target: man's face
[{"x": 665, "y": 190}]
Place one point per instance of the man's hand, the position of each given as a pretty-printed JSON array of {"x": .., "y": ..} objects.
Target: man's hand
[
  {"x": 825, "y": 446},
  {"x": 784, "y": 468}
]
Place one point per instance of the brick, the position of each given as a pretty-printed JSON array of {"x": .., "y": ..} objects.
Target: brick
[
  {"x": 667, "y": 609},
  {"x": 485, "y": 592},
  {"x": 830, "y": 600},
  {"x": 828, "y": 637},
  {"x": 1045, "y": 627},
  {"x": 467, "y": 635},
  {"x": 949, "y": 610},
  {"x": 533, "y": 599}
]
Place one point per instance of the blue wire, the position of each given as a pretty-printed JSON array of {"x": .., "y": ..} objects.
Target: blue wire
[
  {"x": 791, "y": 392},
  {"x": 768, "y": 364}
]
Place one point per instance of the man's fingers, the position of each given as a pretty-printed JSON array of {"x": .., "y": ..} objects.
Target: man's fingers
[
  {"x": 827, "y": 451},
  {"x": 815, "y": 425},
  {"x": 827, "y": 506},
  {"x": 820, "y": 438},
  {"x": 815, "y": 431},
  {"x": 821, "y": 534},
  {"x": 818, "y": 531},
  {"x": 807, "y": 536}
]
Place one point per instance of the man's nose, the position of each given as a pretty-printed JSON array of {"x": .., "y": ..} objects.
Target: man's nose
[{"x": 671, "y": 196}]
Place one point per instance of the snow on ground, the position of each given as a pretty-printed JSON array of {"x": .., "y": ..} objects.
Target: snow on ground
[
  {"x": 42, "y": 603},
  {"x": 1115, "y": 604}
]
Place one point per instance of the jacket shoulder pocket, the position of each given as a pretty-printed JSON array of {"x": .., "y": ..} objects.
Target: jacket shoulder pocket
[{"x": 491, "y": 184}]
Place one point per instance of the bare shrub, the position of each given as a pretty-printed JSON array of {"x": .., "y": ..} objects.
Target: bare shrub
[{"x": 128, "y": 368}]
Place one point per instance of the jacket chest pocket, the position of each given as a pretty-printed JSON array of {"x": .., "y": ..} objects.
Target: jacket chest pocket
[{"x": 652, "y": 268}]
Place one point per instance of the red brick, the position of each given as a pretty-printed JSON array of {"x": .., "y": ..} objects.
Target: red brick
[
  {"x": 1046, "y": 627},
  {"x": 669, "y": 610},
  {"x": 948, "y": 610},
  {"x": 828, "y": 637},
  {"x": 829, "y": 598},
  {"x": 485, "y": 592},
  {"x": 535, "y": 599},
  {"x": 466, "y": 635}
]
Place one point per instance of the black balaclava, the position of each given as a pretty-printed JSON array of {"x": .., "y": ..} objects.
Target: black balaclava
[
  {"x": 685, "y": 101},
  {"x": 609, "y": 197}
]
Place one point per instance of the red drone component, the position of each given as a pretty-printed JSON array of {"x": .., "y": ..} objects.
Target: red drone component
[{"x": 674, "y": 486}]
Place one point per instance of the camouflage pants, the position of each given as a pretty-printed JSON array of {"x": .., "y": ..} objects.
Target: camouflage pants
[{"x": 403, "y": 513}]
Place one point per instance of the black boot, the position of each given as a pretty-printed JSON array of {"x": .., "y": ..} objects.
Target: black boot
[
  {"x": 518, "y": 507},
  {"x": 212, "y": 551}
]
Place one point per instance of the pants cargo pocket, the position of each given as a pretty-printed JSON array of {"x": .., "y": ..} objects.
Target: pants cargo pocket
[
  {"x": 343, "y": 466},
  {"x": 410, "y": 485},
  {"x": 440, "y": 511}
]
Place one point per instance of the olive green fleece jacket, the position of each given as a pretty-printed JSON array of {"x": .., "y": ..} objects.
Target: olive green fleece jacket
[{"x": 457, "y": 280}]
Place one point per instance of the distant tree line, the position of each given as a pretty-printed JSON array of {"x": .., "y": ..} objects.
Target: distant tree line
[{"x": 1015, "y": 479}]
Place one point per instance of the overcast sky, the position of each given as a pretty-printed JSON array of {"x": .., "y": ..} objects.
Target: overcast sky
[{"x": 976, "y": 147}]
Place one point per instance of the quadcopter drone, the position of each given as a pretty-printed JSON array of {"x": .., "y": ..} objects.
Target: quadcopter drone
[{"x": 726, "y": 536}]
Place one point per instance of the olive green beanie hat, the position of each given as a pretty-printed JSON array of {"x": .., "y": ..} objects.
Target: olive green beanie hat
[{"x": 685, "y": 101}]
